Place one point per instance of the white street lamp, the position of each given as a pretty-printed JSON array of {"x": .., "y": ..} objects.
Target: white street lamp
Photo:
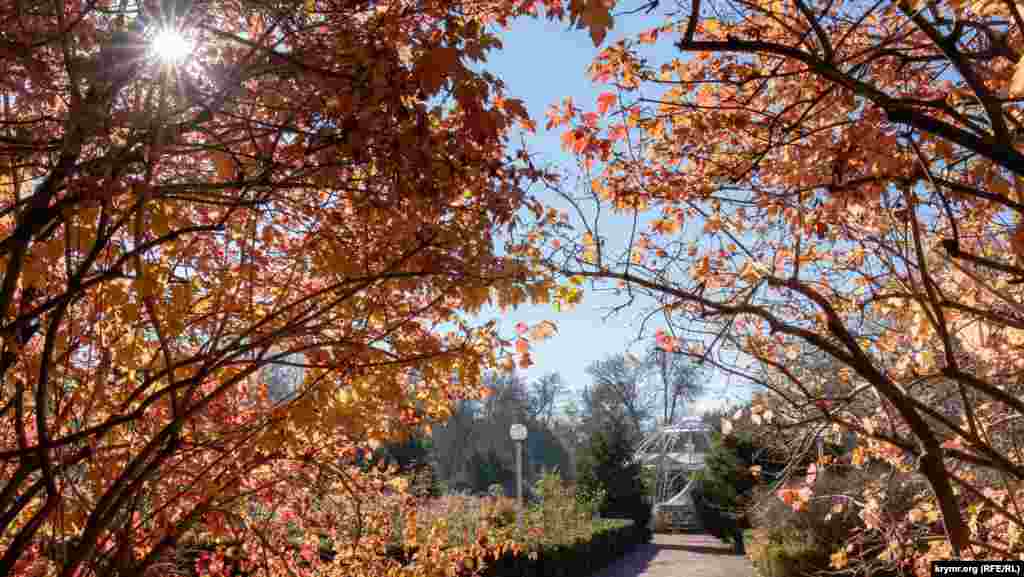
[{"x": 518, "y": 434}]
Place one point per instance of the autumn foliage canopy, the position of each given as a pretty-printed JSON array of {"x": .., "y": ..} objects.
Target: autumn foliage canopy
[
  {"x": 310, "y": 185},
  {"x": 826, "y": 199}
]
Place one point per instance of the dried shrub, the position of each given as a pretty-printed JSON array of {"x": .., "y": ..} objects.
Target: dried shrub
[{"x": 790, "y": 542}]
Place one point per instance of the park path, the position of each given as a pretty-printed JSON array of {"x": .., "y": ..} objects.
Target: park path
[{"x": 681, "y": 556}]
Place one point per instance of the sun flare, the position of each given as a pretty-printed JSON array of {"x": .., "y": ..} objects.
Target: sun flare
[{"x": 171, "y": 45}]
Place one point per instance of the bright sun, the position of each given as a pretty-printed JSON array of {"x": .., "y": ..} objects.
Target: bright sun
[{"x": 171, "y": 46}]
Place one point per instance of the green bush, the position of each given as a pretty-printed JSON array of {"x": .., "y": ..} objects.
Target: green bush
[
  {"x": 607, "y": 463},
  {"x": 591, "y": 500},
  {"x": 790, "y": 557},
  {"x": 558, "y": 536},
  {"x": 610, "y": 540}
]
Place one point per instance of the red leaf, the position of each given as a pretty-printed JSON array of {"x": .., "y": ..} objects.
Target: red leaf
[{"x": 436, "y": 66}]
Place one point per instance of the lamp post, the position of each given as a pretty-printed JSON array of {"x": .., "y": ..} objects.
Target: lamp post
[{"x": 518, "y": 434}]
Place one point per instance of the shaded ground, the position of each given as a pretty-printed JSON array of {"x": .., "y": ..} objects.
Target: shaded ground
[{"x": 681, "y": 556}]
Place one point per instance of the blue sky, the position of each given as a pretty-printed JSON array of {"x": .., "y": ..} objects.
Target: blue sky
[{"x": 543, "y": 62}]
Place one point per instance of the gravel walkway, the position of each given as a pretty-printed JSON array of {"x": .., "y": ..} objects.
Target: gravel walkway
[{"x": 681, "y": 556}]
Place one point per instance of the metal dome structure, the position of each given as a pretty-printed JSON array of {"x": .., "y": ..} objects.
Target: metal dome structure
[{"x": 674, "y": 451}]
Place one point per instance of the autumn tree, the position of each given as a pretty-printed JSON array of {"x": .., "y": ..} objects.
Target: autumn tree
[
  {"x": 839, "y": 179},
  {"x": 232, "y": 232}
]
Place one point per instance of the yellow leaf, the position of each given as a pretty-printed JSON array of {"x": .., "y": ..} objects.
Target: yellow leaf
[
  {"x": 858, "y": 457},
  {"x": 750, "y": 273},
  {"x": 857, "y": 256},
  {"x": 839, "y": 559},
  {"x": 589, "y": 248}
]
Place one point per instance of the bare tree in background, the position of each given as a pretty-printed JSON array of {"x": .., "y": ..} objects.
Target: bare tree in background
[
  {"x": 453, "y": 442},
  {"x": 542, "y": 396},
  {"x": 680, "y": 381},
  {"x": 619, "y": 390}
]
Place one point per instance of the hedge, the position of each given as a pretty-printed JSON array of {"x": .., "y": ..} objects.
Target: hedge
[
  {"x": 611, "y": 540},
  {"x": 607, "y": 544}
]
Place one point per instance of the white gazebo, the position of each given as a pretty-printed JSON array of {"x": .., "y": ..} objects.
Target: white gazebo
[{"x": 674, "y": 451}]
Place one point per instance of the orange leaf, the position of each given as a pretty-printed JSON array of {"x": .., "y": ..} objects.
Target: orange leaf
[
  {"x": 605, "y": 101},
  {"x": 649, "y": 37},
  {"x": 569, "y": 140},
  {"x": 580, "y": 142},
  {"x": 224, "y": 165},
  {"x": 522, "y": 346},
  {"x": 525, "y": 361},
  {"x": 543, "y": 330}
]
